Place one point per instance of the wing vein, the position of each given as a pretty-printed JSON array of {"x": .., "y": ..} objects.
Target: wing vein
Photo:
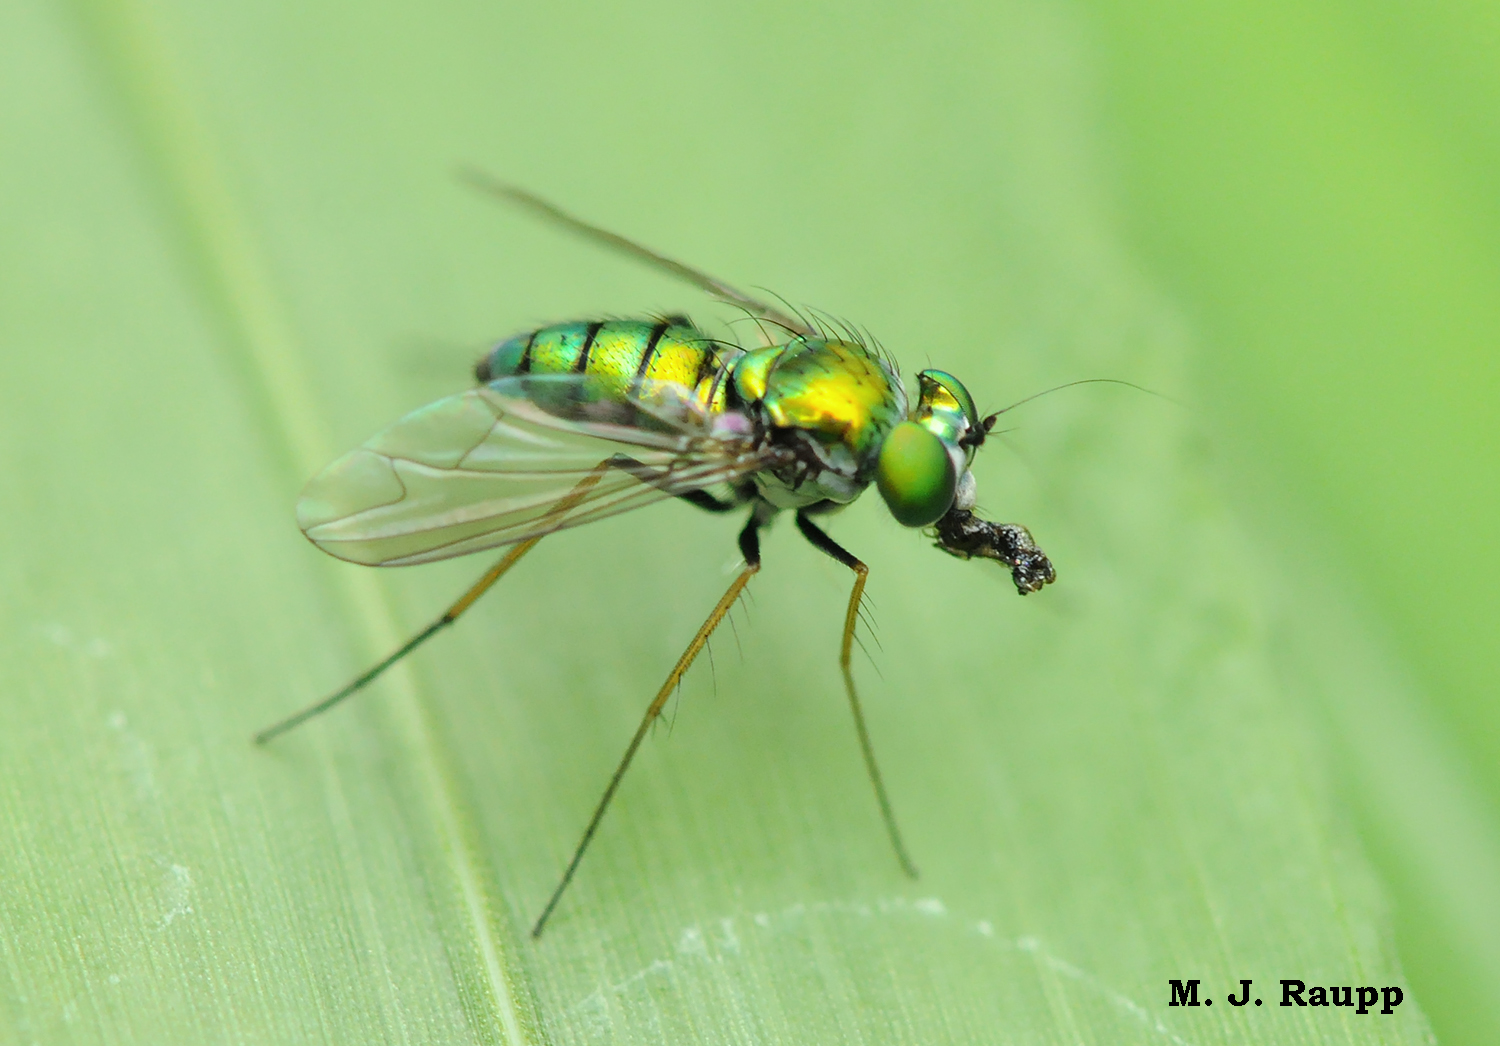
[{"x": 491, "y": 466}]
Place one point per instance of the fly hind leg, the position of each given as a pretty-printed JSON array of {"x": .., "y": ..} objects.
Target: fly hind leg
[
  {"x": 512, "y": 555},
  {"x": 663, "y": 481},
  {"x": 824, "y": 543}
]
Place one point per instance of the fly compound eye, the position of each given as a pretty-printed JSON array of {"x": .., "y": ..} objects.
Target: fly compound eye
[{"x": 915, "y": 475}]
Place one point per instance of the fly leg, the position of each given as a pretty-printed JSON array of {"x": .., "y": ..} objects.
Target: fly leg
[
  {"x": 452, "y": 614},
  {"x": 823, "y": 542},
  {"x": 663, "y": 481},
  {"x": 750, "y": 549}
]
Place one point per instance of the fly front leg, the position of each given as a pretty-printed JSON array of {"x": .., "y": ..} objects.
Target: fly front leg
[{"x": 826, "y": 544}]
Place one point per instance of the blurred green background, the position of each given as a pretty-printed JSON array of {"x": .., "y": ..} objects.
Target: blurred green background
[{"x": 1249, "y": 733}]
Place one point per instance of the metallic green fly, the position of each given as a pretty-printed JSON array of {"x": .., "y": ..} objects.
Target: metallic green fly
[{"x": 577, "y": 421}]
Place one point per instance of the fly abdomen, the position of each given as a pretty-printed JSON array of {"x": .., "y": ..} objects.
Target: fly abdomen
[{"x": 620, "y": 355}]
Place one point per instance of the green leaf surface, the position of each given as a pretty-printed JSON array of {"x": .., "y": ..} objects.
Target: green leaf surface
[{"x": 233, "y": 247}]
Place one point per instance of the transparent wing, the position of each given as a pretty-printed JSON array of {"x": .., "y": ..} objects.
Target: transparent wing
[
  {"x": 516, "y": 459},
  {"x": 711, "y": 285}
]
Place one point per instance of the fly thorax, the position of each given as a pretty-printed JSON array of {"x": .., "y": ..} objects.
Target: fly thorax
[{"x": 831, "y": 403}]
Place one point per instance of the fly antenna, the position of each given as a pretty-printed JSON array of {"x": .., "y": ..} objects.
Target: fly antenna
[{"x": 977, "y": 437}]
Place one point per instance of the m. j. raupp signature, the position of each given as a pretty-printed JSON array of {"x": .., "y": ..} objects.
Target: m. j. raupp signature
[{"x": 1297, "y": 993}]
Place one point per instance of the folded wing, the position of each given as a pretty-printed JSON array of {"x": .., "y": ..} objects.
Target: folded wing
[{"x": 516, "y": 459}]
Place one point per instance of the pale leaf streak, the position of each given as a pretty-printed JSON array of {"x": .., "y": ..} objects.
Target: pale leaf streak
[
  {"x": 223, "y": 262},
  {"x": 599, "y": 997},
  {"x": 1034, "y": 947},
  {"x": 694, "y": 945}
]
